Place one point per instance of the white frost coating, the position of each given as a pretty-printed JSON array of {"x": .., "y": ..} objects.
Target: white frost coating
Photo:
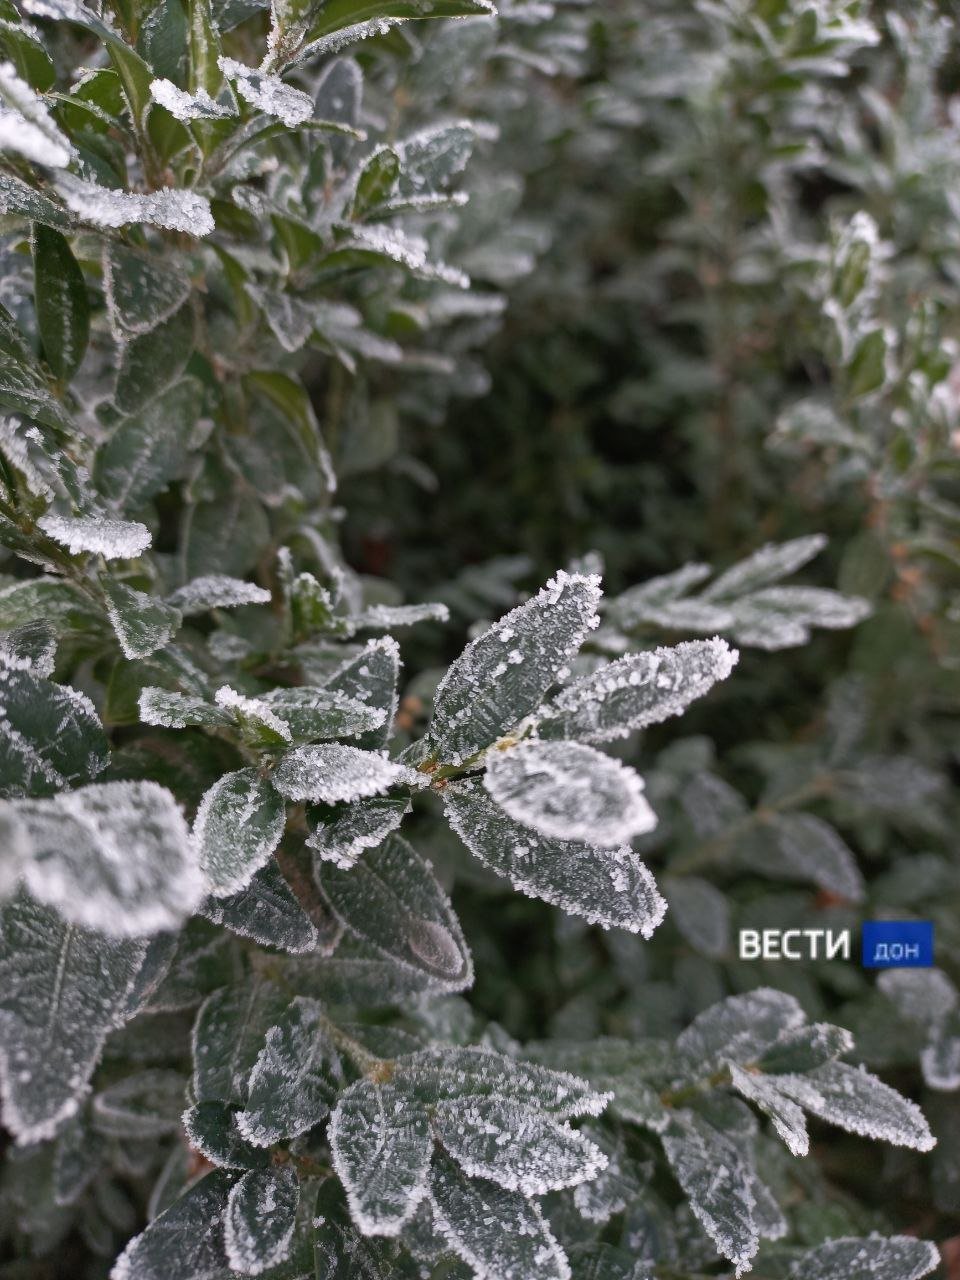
[
  {"x": 739, "y": 1028},
  {"x": 608, "y": 887},
  {"x": 239, "y": 823},
  {"x": 330, "y": 773},
  {"x": 867, "y": 1258},
  {"x": 174, "y": 710},
  {"x": 857, "y": 1101},
  {"x": 187, "y": 106},
  {"x": 25, "y": 125},
  {"x": 380, "y": 1148},
  {"x": 504, "y": 673},
  {"x": 768, "y": 564},
  {"x": 216, "y": 591},
  {"x": 175, "y": 210},
  {"x": 569, "y": 791},
  {"x": 785, "y": 1116},
  {"x": 638, "y": 690},
  {"x": 252, "y": 708},
  {"x": 814, "y": 850},
  {"x": 113, "y": 856},
  {"x": 402, "y": 615},
  {"x": 515, "y": 1146},
  {"x": 363, "y": 825},
  {"x": 260, "y": 1217},
  {"x": 410, "y": 251},
  {"x": 268, "y": 93},
  {"x": 112, "y": 539}
]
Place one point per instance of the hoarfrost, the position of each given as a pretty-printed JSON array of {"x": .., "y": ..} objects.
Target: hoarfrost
[
  {"x": 112, "y": 539},
  {"x": 216, "y": 591},
  {"x": 785, "y": 1116},
  {"x": 312, "y": 713},
  {"x": 814, "y": 850},
  {"x": 50, "y": 734},
  {"x": 767, "y": 565},
  {"x": 482, "y": 695},
  {"x": 269, "y": 93},
  {"x": 266, "y": 911},
  {"x": 239, "y": 824},
  {"x": 174, "y": 710},
  {"x": 141, "y": 623},
  {"x": 636, "y": 691},
  {"x": 362, "y": 825},
  {"x": 517, "y": 1147},
  {"x": 380, "y": 1145},
  {"x": 188, "y": 106},
  {"x": 569, "y": 791},
  {"x": 260, "y": 1217},
  {"x": 386, "y": 617},
  {"x": 252, "y": 712},
  {"x": 608, "y": 887},
  {"x": 331, "y": 772},
  {"x": 172, "y": 209},
  {"x": 869, "y": 1258},
  {"x": 113, "y": 856},
  {"x": 857, "y": 1101},
  {"x": 25, "y": 124}
]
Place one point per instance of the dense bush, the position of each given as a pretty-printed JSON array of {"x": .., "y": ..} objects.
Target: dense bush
[{"x": 328, "y": 942}]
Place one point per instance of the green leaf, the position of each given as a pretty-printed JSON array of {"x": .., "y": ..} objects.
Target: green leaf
[
  {"x": 371, "y": 678},
  {"x": 62, "y": 991},
  {"x": 497, "y": 1232},
  {"x": 858, "y": 1102},
  {"x": 239, "y": 824},
  {"x": 380, "y": 1145},
  {"x": 52, "y": 735},
  {"x": 785, "y": 1116},
  {"x": 502, "y": 675},
  {"x": 335, "y": 15},
  {"x": 609, "y": 887},
  {"x": 228, "y": 1036},
  {"x": 63, "y": 308},
  {"x": 146, "y": 449},
  {"x": 211, "y": 1127},
  {"x": 153, "y": 361},
  {"x": 186, "y": 1240},
  {"x": 313, "y": 714},
  {"x": 142, "y": 289},
  {"x": 392, "y": 901},
  {"x": 295, "y": 1080},
  {"x": 261, "y": 1214},
  {"x": 147, "y": 1104},
  {"x": 376, "y": 180},
  {"x": 113, "y": 856},
  {"x": 870, "y": 1258},
  {"x": 342, "y": 836},
  {"x": 16, "y": 197},
  {"x": 330, "y": 773},
  {"x": 867, "y": 369},
  {"x": 142, "y": 623},
  {"x": 738, "y": 1029},
  {"x": 267, "y": 911},
  {"x": 804, "y": 1048}
]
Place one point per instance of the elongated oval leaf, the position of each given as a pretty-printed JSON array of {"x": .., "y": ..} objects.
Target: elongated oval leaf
[
  {"x": 330, "y": 773},
  {"x": 260, "y": 1217},
  {"x": 63, "y": 309},
  {"x": 239, "y": 824}
]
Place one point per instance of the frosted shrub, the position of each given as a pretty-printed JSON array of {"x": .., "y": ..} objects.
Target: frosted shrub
[{"x": 236, "y": 1037}]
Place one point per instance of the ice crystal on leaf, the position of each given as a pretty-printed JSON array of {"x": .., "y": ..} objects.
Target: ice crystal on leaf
[
  {"x": 174, "y": 210},
  {"x": 142, "y": 623},
  {"x": 216, "y": 591},
  {"x": 869, "y": 1258},
  {"x": 569, "y": 791},
  {"x": 266, "y": 910},
  {"x": 362, "y": 825},
  {"x": 112, "y": 539},
  {"x": 25, "y": 124},
  {"x": 238, "y": 826},
  {"x": 857, "y": 1101},
  {"x": 268, "y": 93},
  {"x": 503, "y": 675},
  {"x": 50, "y": 734},
  {"x": 188, "y": 106},
  {"x": 113, "y": 856},
  {"x": 330, "y": 773},
  {"x": 260, "y": 1217},
  {"x": 785, "y": 1116},
  {"x": 609, "y": 887}
]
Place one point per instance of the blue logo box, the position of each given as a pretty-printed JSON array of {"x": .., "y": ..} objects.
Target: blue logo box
[{"x": 897, "y": 944}]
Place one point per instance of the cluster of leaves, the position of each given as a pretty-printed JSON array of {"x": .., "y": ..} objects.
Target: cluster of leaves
[{"x": 247, "y": 251}]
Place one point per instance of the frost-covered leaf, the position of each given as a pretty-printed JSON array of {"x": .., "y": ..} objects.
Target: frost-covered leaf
[
  {"x": 329, "y": 773},
  {"x": 701, "y": 912},
  {"x": 238, "y": 825},
  {"x": 266, "y": 910},
  {"x": 101, "y": 535},
  {"x": 258, "y": 725},
  {"x": 228, "y": 1036},
  {"x": 385, "y": 617},
  {"x": 17, "y": 197},
  {"x": 25, "y": 124},
  {"x": 364, "y": 824},
  {"x": 141, "y": 289},
  {"x": 188, "y": 106},
  {"x": 371, "y": 678},
  {"x": 14, "y": 850},
  {"x": 717, "y": 1182},
  {"x": 313, "y": 714},
  {"x": 503, "y": 675},
  {"x": 631, "y": 1074},
  {"x": 769, "y": 564},
  {"x": 170, "y": 208},
  {"x": 569, "y": 791},
  {"x": 260, "y": 1217},
  {"x": 392, "y": 901},
  {"x": 636, "y": 691},
  {"x": 449, "y": 1074},
  {"x": 814, "y": 850},
  {"x": 803, "y": 1048},
  {"x": 738, "y": 1029},
  {"x": 33, "y": 643},
  {"x": 63, "y": 309},
  {"x": 142, "y": 623},
  {"x": 295, "y": 1080},
  {"x": 782, "y": 617},
  {"x": 50, "y": 734},
  {"x": 113, "y": 856},
  {"x": 147, "y": 1104},
  {"x": 216, "y": 591},
  {"x": 785, "y": 1116},
  {"x": 62, "y": 990},
  {"x": 175, "y": 710},
  {"x": 211, "y": 1129},
  {"x": 609, "y": 887},
  {"x": 868, "y": 1258},
  {"x": 517, "y": 1147},
  {"x": 380, "y": 1144},
  {"x": 268, "y": 93},
  {"x": 185, "y": 1240},
  {"x": 145, "y": 450},
  {"x": 501, "y": 1234},
  {"x": 857, "y": 1101}
]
